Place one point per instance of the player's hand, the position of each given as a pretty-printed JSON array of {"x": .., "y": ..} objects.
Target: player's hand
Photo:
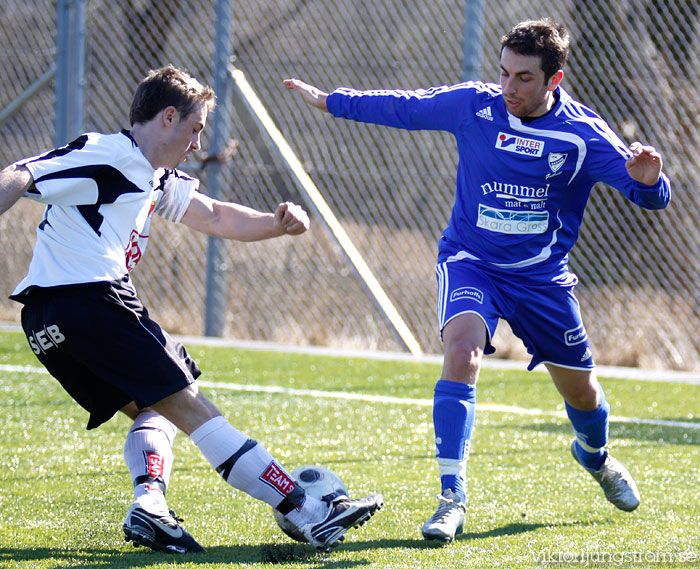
[
  {"x": 310, "y": 94},
  {"x": 291, "y": 219},
  {"x": 645, "y": 164}
]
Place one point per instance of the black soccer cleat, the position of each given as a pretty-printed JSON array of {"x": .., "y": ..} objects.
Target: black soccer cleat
[
  {"x": 343, "y": 514},
  {"x": 162, "y": 533}
]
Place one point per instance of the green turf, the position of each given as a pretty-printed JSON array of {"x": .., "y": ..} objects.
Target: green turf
[{"x": 64, "y": 491}]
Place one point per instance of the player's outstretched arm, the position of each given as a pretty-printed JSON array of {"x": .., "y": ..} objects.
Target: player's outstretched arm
[
  {"x": 310, "y": 94},
  {"x": 14, "y": 182},
  {"x": 645, "y": 164},
  {"x": 234, "y": 221}
]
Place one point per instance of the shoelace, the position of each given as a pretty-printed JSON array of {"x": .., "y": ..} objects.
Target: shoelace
[
  {"x": 173, "y": 515},
  {"x": 611, "y": 478},
  {"x": 444, "y": 509}
]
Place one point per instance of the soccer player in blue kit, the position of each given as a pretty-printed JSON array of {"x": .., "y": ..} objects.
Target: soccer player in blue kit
[
  {"x": 529, "y": 156},
  {"x": 86, "y": 324}
]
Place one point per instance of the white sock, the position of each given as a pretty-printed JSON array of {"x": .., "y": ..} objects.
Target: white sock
[
  {"x": 244, "y": 463},
  {"x": 149, "y": 456},
  {"x": 312, "y": 510}
]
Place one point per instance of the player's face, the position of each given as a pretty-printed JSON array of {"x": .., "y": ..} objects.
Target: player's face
[
  {"x": 525, "y": 91},
  {"x": 184, "y": 135}
]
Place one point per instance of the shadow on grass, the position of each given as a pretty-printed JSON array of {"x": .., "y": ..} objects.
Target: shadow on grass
[
  {"x": 420, "y": 543},
  {"x": 282, "y": 554},
  {"x": 518, "y": 528}
]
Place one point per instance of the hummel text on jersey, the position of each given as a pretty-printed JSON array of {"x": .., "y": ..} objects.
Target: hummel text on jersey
[
  {"x": 521, "y": 193},
  {"x": 42, "y": 340},
  {"x": 485, "y": 113}
]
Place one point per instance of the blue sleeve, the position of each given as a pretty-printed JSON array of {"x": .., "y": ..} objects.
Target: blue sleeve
[
  {"x": 652, "y": 197},
  {"x": 608, "y": 155},
  {"x": 438, "y": 108}
]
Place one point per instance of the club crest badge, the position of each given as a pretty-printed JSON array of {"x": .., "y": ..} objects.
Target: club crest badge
[{"x": 556, "y": 160}]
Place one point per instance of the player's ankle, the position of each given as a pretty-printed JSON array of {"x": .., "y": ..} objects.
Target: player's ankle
[
  {"x": 154, "y": 503},
  {"x": 591, "y": 460},
  {"x": 312, "y": 510}
]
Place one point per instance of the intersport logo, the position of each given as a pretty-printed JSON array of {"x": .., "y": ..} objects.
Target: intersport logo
[{"x": 519, "y": 144}]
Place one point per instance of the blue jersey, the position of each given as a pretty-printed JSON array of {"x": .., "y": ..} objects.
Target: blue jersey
[{"x": 522, "y": 185}]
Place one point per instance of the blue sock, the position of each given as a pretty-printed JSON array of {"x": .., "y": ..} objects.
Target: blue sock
[
  {"x": 454, "y": 406},
  {"x": 591, "y": 428}
]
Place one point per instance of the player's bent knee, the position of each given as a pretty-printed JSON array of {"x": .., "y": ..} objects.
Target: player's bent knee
[
  {"x": 464, "y": 352},
  {"x": 462, "y": 362},
  {"x": 187, "y": 409},
  {"x": 581, "y": 397},
  {"x": 131, "y": 410},
  {"x": 583, "y": 401}
]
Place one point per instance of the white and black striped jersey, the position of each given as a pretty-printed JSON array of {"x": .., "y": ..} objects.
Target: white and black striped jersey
[{"x": 100, "y": 193}]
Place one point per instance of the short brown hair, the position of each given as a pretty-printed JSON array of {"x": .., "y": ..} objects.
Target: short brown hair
[
  {"x": 545, "y": 38},
  {"x": 168, "y": 87}
]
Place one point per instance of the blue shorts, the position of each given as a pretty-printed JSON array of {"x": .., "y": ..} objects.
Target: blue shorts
[{"x": 546, "y": 317}]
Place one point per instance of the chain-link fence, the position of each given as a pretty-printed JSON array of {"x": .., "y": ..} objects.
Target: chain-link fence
[{"x": 635, "y": 62}]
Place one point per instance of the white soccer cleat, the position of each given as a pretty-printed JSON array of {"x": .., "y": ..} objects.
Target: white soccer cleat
[
  {"x": 448, "y": 519},
  {"x": 615, "y": 480}
]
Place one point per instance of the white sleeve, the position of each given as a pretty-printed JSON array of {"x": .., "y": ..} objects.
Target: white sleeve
[
  {"x": 66, "y": 175},
  {"x": 178, "y": 190},
  {"x": 94, "y": 169}
]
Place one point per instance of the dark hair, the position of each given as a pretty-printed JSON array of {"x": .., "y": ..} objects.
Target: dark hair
[
  {"x": 168, "y": 87},
  {"x": 543, "y": 37}
]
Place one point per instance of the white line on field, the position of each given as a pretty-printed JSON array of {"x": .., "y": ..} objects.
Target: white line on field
[
  {"x": 617, "y": 372},
  {"x": 349, "y": 396},
  {"x": 489, "y": 407}
]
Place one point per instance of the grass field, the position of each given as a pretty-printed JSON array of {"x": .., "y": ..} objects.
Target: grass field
[{"x": 64, "y": 491}]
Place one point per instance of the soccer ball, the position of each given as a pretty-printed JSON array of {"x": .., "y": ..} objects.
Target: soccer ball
[{"x": 318, "y": 482}]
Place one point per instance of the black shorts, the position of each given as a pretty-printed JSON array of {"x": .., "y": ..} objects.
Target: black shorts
[{"x": 99, "y": 343}]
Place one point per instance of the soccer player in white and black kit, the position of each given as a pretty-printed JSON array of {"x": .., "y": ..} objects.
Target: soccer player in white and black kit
[
  {"x": 529, "y": 156},
  {"x": 85, "y": 323}
]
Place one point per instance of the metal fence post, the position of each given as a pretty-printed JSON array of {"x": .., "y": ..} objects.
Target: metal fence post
[
  {"x": 28, "y": 94},
  {"x": 473, "y": 39},
  {"x": 70, "y": 70},
  {"x": 78, "y": 69},
  {"x": 215, "y": 303}
]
